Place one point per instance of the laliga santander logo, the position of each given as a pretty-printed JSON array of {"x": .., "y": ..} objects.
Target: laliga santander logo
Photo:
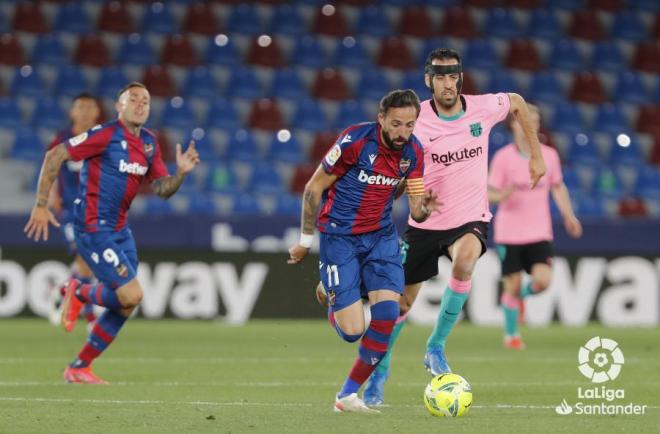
[{"x": 600, "y": 359}]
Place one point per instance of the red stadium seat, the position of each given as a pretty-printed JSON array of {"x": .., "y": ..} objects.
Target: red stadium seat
[
  {"x": 522, "y": 54},
  {"x": 11, "y": 52},
  {"x": 647, "y": 57},
  {"x": 606, "y": 5},
  {"x": 648, "y": 120},
  {"x": 523, "y": 4},
  {"x": 166, "y": 149},
  {"x": 484, "y": 4},
  {"x": 394, "y": 53},
  {"x": 29, "y": 18},
  {"x": 656, "y": 27},
  {"x": 321, "y": 145},
  {"x": 458, "y": 23},
  {"x": 416, "y": 21},
  {"x": 655, "y": 150},
  {"x": 92, "y": 51},
  {"x": 586, "y": 25},
  {"x": 201, "y": 19},
  {"x": 265, "y": 51},
  {"x": 300, "y": 177},
  {"x": 587, "y": 88},
  {"x": 114, "y": 17},
  {"x": 469, "y": 85},
  {"x": 157, "y": 79},
  {"x": 330, "y": 21},
  {"x": 330, "y": 84},
  {"x": 179, "y": 51},
  {"x": 632, "y": 207},
  {"x": 265, "y": 115}
]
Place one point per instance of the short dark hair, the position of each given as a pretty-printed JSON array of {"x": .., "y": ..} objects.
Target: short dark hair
[
  {"x": 83, "y": 95},
  {"x": 399, "y": 98},
  {"x": 130, "y": 85},
  {"x": 441, "y": 54}
]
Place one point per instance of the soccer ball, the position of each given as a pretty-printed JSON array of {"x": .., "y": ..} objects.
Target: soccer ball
[{"x": 448, "y": 395}]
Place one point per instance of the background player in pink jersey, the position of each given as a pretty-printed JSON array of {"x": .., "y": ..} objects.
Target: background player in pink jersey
[
  {"x": 354, "y": 188},
  {"x": 117, "y": 157},
  {"x": 523, "y": 224},
  {"x": 453, "y": 129}
]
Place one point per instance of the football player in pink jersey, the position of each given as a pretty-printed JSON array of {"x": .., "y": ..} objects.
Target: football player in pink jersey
[
  {"x": 523, "y": 225},
  {"x": 453, "y": 129}
]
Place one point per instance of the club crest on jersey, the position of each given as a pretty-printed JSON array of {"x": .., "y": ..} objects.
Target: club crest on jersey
[
  {"x": 331, "y": 297},
  {"x": 333, "y": 155},
  {"x": 404, "y": 164},
  {"x": 475, "y": 129},
  {"x": 148, "y": 149},
  {"x": 122, "y": 270}
]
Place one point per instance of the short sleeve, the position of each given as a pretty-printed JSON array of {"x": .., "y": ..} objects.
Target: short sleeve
[
  {"x": 554, "y": 168},
  {"x": 157, "y": 168},
  {"x": 341, "y": 156},
  {"x": 500, "y": 104},
  {"x": 59, "y": 138},
  {"x": 496, "y": 173},
  {"x": 90, "y": 143}
]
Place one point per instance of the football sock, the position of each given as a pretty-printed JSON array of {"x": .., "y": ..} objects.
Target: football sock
[
  {"x": 104, "y": 332},
  {"x": 527, "y": 290},
  {"x": 384, "y": 366},
  {"x": 510, "y": 307},
  {"x": 98, "y": 294},
  {"x": 373, "y": 345},
  {"x": 88, "y": 310},
  {"x": 452, "y": 303}
]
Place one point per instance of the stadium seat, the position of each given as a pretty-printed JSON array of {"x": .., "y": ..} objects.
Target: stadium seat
[
  {"x": 29, "y": 18},
  {"x": 351, "y": 53},
  {"x": 200, "y": 19},
  {"x": 330, "y": 84},
  {"x": 158, "y": 18},
  {"x": 647, "y": 183},
  {"x": 630, "y": 89},
  {"x": 222, "y": 51},
  {"x": 458, "y": 23},
  {"x": 265, "y": 179},
  {"x": 48, "y": 50},
  {"x": 135, "y": 50},
  {"x": 301, "y": 175},
  {"x": 501, "y": 80},
  {"x": 309, "y": 116},
  {"x": 564, "y": 55},
  {"x": 10, "y": 113},
  {"x": 245, "y": 204},
  {"x": 309, "y": 52},
  {"x": 321, "y": 145},
  {"x": 177, "y": 113},
  {"x": 243, "y": 147},
  {"x": 469, "y": 85},
  {"x": 607, "y": 184},
  {"x": 632, "y": 207},
  {"x": 70, "y": 81},
  {"x": 350, "y": 113},
  {"x": 243, "y": 19},
  {"x": 656, "y": 25},
  {"x": 288, "y": 204},
  {"x": 606, "y": 5},
  {"x": 403, "y": 58},
  {"x": 4, "y": 25},
  {"x": 329, "y": 21},
  {"x": 201, "y": 205},
  {"x": 543, "y": 24},
  {"x": 199, "y": 82},
  {"x": 500, "y": 23},
  {"x": 583, "y": 149},
  {"x": 647, "y": 57},
  {"x": 27, "y": 145},
  {"x": 203, "y": 143},
  {"x": 545, "y": 87},
  {"x": 431, "y": 44},
  {"x": 157, "y": 79},
  {"x": 610, "y": 119},
  {"x": 156, "y": 206},
  {"x": 522, "y": 54},
  {"x": 27, "y": 82},
  {"x": 48, "y": 114},
  {"x": 480, "y": 54},
  {"x": 91, "y": 51},
  {"x": 284, "y": 147},
  {"x": 625, "y": 149},
  {"x": 648, "y": 119},
  {"x": 373, "y": 21},
  {"x": 222, "y": 115},
  {"x": 71, "y": 17},
  {"x": 627, "y": 25},
  {"x": 111, "y": 79},
  {"x": 287, "y": 84},
  {"x": 179, "y": 51},
  {"x": 500, "y": 136},
  {"x": 415, "y": 80},
  {"x": 11, "y": 52},
  {"x": 265, "y": 51},
  {"x": 568, "y": 119},
  {"x": 416, "y": 22},
  {"x": 587, "y": 88},
  {"x": 265, "y": 115},
  {"x": 114, "y": 17},
  {"x": 286, "y": 20},
  {"x": 243, "y": 83},
  {"x": 221, "y": 178},
  {"x": 373, "y": 84},
  {"x": 585, "y": 24},
  {"x": 571, "y": 179},
  {"x": 645, "y": 5},
  {"x": 606, "y": 56},
  {"x": 587, "y": 207}
]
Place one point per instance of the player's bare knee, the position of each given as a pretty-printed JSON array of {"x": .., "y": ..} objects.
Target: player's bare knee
[
  {"x": 463, "y": 267},
  {"x": 131, "y": 298}
]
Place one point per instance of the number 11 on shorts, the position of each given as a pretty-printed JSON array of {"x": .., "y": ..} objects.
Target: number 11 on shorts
[{"x": 333, "y": 275}]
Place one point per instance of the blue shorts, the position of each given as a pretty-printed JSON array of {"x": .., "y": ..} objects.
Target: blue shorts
[
  {"x": 353, "y": 265},
  {"x": 112, "y": 256}
]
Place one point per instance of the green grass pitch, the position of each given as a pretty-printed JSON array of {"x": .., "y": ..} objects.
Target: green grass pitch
[{"x": 281, "y": 376}]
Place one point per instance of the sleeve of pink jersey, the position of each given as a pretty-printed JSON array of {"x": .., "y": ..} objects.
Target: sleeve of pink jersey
[
  {"x": 554, "y": 167},
  {"x": 89, "y": 143},
  {"x": 496, "y": 173},
  {"x": 158, "y": 168},
  {"x": 500, "y": 105},
  {"x": 341, "y": 156}
]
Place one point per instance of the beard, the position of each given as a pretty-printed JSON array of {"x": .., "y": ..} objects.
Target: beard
[
  {"x": 397, "y": 143},
  {"x": 445, "y": 102}
]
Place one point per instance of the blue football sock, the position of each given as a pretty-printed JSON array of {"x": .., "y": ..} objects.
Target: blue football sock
[
  {"x": 510, "y": 307},
  {"x": 384, "y": 364},
  {"x": 450, "y": 307},
  {"x": 527, "y": 290}
]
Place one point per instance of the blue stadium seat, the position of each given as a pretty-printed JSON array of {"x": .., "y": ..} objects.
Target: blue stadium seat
[
  {"x": 501, "y": 80},
  {"x": 199, "y": 82},
  {"x": 373, "y": 21},
  {"x": 222, "y": 114},
  {"x": 71, "y": 17},
  {"x": 570, "y": 5},
  {"x": 583, "y": 150},
  {"x": 351, "y": 53},
  {"x": 607, "y": 56},
  {"x": 543, "y": 24},
  {"x": 430, "y": 45},
  {"x": 645, "y": 5},
  {"x": 568, "y": 119},
  {"x": 610, "y": 119},
  {"x": 309, "y": 116},
  {"x": 157, "y": 18},
  {"x": 10, "y": 113},
  {"x": 500, "y": 136},
  {"x": 480, "y": 54},
  {"x": 309, "y": 52},
  {"x": 415, "y": 80},
  {"x": 4, "y": 27},
  {"x": 244, "y": 19},
  {"x": 203, "y": 144},
  {"x": 625, "y": 149},
  {"x": 628, "y": 25},
  {"x": 70, "y": 81},
  {"x": 647, "y": 183},
  {"x": 221, "y": 178},
  {"x": 245, "y": 204},
  {"x": 265, "y": 179},
  {"x": 244, "y": 83},
  {"x": 135, "y": 50},
  {"x": 565, "y": 55},
  {"x": 188, "y": 185},
  {"x": 630, "y": 88},
  {"x": 243, "y": 147},
  {"x": 350, "y": 113},
  {"x": 288, "y": 204},
  {"x": 111, "y": 79},
  {"x": 27, "y": 82},
  {"x": 49, "y": 50},
  {"x": 373, "y": 84},
  {"x": 287, "y": 84},
  {"x": 440, "y": 3},
  {"x": 545, "y": 87},
  {"x": 156, "y": 206},
  {"x": 48, "y": 113},
  {"x": 571, "y": 179},
  {"x": 178, "y": 114},
  {"x": 501, "y": 24},
  {"x": 286, "y": 148},
  {"x": 286, "y": 20},
  {"x": 221, "y": 50},
  {"x": 27, "y": 145},
  {"x": 586, "y": 206},
  {"x": 201, "y": 204}
]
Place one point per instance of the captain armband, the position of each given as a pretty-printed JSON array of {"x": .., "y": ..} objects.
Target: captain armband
[{"x": 415, "y": 187}]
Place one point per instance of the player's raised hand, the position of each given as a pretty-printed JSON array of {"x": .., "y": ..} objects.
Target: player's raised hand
[
  {"x": 297, "y": 253},
  {"x": 37, "y": 227},
  {"x": 186, "y": 162},
  {"x": 536, "y": 169}
]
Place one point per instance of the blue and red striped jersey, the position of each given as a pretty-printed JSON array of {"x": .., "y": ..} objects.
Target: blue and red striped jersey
[
  {"x": 68, "y": 178},
  {"x": 368, "y": 172},
  {"x": 115, "y": 163}
]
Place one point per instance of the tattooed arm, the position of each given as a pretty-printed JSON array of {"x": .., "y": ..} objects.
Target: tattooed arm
[
  {"x": 167, "y": 185},
  {"x": 37, "y": 226}
]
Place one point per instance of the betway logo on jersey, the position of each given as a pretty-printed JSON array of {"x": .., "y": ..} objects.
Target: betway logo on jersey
[
  {"x": 132, "y": 168},
  {"x": 449, "y": 158},
  {"x": 377, "y": 179}
]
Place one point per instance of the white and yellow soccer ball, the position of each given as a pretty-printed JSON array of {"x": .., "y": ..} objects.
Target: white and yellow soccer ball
[{"x": 448, "y": 395}]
